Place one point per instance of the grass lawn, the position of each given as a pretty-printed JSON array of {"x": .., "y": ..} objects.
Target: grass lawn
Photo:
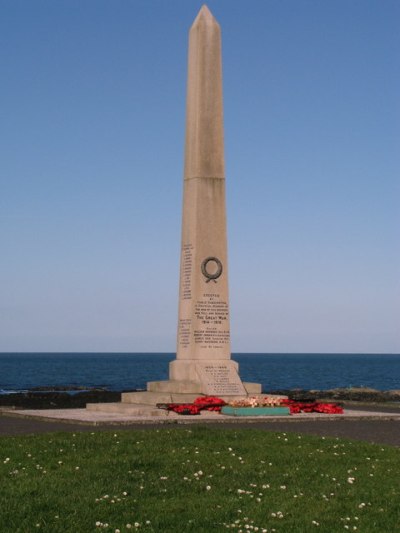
[{"x": 197, "y": 479}]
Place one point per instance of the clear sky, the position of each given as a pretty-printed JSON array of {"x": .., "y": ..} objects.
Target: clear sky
[{"x": 92, "y": 112}]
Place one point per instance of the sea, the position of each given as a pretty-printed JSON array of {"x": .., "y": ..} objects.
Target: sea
[{"x": 131, "y": 371}]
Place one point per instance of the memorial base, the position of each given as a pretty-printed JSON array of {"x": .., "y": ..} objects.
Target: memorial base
[
  {"x": 210, "y": 377},
  {"x": 189, "y": 380}
]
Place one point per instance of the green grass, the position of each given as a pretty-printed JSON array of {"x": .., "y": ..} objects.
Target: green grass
[{"x": 200, "y": 480}]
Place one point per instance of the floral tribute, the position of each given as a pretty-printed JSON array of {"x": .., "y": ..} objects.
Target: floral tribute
[
  {"x": 252, "y": 401},
  {"x": 294, "y": 406},
  {"x": 312, "y": 407},
  {"x": 213, "y": 403},
  {"x": 202, "y": 403}
]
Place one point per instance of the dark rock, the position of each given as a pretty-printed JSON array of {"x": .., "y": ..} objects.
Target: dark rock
[
  {"x": 57, "y": 400},
  {"x": 354, "y": 394}
]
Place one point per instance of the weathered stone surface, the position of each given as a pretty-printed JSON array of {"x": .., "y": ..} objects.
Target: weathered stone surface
[
  {"x": 203, "y": 326},
  {"x": 220, "y": 378},
  {"x": 181, "y": 386},
  {"x": 126, "y": 409},
  {"x": 152, "y": 398}
]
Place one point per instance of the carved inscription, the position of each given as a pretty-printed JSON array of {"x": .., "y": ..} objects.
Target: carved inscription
[
  {"x": 211, "y": 312},
  {"x": 186, "y": 274},
  {"x": 220, "y": 379},
  {"x": 210, "y": 337},
  {"x": 184, "y": 332},
  {"x": 212, "y": 315}
]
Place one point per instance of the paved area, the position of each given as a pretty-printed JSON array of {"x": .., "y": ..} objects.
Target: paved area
[
  {"x": 103, "y": 417},
  {"x": 369, "y": 425}
]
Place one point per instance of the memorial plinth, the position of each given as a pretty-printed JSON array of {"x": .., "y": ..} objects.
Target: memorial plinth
[{"x": 203, "y": 362}]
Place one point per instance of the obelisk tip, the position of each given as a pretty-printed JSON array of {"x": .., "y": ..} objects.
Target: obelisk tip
[{"x": 204, "y": 16}]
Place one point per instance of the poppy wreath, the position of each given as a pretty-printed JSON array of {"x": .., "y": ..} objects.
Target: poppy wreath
[
  {"x": 209, "y": 403},
  {"x": 184, "y": 408},
  {"x": 202, "y": 403},
  {"x": 312, "y": 407}
]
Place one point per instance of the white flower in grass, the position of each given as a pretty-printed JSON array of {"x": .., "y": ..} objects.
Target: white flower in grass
[
  {"x": 208, "y": 487},
  {"x": 128, "y": 526}
]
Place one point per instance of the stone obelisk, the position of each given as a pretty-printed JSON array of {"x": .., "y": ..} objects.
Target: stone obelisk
[{"x": 203, "y": 363}]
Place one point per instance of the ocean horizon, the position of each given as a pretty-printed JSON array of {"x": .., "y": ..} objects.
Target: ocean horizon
[{"x": 117, "y": 371}]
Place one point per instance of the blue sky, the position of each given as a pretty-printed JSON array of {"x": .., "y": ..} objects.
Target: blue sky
[{"x": 92, "y": 112}]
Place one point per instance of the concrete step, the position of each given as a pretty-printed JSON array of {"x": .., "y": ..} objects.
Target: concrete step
[
  {"x": 152, "y": 398},
  {"x": 175, "y": 387},
  {"x": 127, "y": 409},
  {"x": 252, "y": 388}
]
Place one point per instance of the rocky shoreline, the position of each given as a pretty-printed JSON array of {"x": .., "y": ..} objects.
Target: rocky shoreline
[
  {"x": 352, "y": 394},
  {"x": 78, "y": 397}
]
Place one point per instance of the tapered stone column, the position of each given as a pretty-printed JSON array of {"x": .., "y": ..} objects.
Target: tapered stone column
[{"x": 203, "y": 362}]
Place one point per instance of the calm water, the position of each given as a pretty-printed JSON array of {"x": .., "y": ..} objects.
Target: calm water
[{"x": 132, "y": 370}]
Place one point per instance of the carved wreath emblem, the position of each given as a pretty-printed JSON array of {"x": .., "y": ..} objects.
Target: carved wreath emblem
[{"x": 209, "y": 272}]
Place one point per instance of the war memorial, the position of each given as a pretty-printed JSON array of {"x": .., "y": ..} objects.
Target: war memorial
[{"x": 203, "y": 364}]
